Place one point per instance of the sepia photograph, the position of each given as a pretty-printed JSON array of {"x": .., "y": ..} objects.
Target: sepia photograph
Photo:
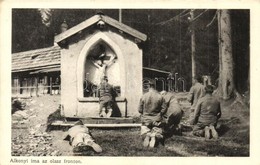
[{"x": 130, "y": 82}]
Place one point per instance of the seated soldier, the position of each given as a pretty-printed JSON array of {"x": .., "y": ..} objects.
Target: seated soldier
[
  {"x": 106, "y": 98},
  {"x": 81, "y": 140},
  {"x": 207, "y": 113},
  {"x": 173, "y": 116},
  {"x": 152, "y": 106}
]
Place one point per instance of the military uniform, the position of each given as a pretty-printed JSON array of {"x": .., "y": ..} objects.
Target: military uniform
[
  {"x": 206, "y": 114},
  {"x": 106, "y": 101},
  {"x": 196, "y": 92},
  {"x": 80, "y": 137},
  {"x": 152, "y": 106},
  {"x": 174, "y": 113}
]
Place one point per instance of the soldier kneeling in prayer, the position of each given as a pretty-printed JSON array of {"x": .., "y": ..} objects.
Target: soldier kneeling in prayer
[
  {"x": 106, "y": 99},
  {"x": 173, "y": 116},
  {"x": 207, "y": 113},
  {"x": 152, "y": 106},
  {"x": 81, "y": 139}
]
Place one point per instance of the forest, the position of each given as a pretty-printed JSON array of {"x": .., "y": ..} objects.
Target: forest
[{"x": 168, "y": 46}]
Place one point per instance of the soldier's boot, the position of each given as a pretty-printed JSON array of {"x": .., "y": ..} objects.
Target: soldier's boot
[
  {"x": 207, "y": 132},
  {"x": 109, "y": 112},
  {"x": 80, "y": 147},
  {"x": 95, "y": 146},
  {"x": 152, "y": 142},
  {"x": 147, "y": 140},
  {"x": 214, "y": 132}
]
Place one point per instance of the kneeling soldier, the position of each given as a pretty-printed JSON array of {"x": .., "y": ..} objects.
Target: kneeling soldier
[
  {"x": 206, "y": 115},
  {"x": 106, "y": 99},
  {"x": 152, "y": 107}
]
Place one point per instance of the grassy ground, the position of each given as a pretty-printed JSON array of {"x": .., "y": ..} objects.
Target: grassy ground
[
  {"x": 233, "y": 129},
  {"x": 234, "y": 141}
]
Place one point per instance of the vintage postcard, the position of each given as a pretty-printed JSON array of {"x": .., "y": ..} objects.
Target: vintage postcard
[{"x": 133, "y": 83}]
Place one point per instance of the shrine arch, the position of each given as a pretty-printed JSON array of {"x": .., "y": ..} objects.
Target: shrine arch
[{"x": 81, "y": 61}]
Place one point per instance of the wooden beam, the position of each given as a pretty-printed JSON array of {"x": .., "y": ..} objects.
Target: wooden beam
[
  {"x": 127, "y": 125},
  {"x": 113, "y": 125},
  {"x": 52, "y": 65}
]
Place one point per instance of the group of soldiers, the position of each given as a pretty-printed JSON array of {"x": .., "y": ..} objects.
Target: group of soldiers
[{"x": 161, "y": 115}]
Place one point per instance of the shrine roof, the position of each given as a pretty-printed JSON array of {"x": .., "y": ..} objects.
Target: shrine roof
[{"x": 95, "y": 19}]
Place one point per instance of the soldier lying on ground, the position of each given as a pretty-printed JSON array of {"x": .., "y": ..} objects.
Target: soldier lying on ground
[{"x": 81, "y": 139}]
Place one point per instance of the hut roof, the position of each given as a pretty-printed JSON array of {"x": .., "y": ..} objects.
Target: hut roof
[{"x": 36, "y": 59}]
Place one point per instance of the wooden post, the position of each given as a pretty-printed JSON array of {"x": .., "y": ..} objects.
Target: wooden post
[
  {"x": 50, "y": 85},
  {"x": 37, "y": 80},
  {"x": 19, "y": 85},
  {"x": 45, "y": 91},
  {"x": 125, "y": 107},
  {"x": 26, "y": 87},
  {"x": 120, "y": 15},
  {"x": 31, "y": 86},
  {"x": 193, "y": 47}
]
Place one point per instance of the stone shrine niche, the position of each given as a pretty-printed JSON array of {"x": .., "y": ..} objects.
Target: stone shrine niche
[
  {"x": 101, "y": 61},
  {"x": 92, "y": 52}
]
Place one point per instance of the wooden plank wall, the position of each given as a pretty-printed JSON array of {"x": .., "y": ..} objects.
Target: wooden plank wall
[{"x": 33, "y": 86}]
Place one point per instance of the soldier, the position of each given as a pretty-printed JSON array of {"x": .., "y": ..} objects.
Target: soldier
[
  {"x": 152, "y": 106},
  {"x": 206, "y": 115},
  {"x": 80, "y": 139},
  {"x": 173, "y": 115},
  {"x": 196, "y": 92},
  {"x": 106, "y": 99}
]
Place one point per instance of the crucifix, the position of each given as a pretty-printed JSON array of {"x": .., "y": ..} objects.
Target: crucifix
[{"x": 102, "y": 62}]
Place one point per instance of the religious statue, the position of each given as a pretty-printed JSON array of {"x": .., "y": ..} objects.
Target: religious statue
[{"x": 102, "y": 62}]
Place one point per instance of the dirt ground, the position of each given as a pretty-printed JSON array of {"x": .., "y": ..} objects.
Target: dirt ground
[{"x": 30, "y": 138}]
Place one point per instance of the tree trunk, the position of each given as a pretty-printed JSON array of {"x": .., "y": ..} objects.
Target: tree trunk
[{"x": 226, "y": 64}]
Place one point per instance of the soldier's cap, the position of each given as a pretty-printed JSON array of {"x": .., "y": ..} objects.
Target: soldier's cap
[{"x": 209, "y": 89}]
